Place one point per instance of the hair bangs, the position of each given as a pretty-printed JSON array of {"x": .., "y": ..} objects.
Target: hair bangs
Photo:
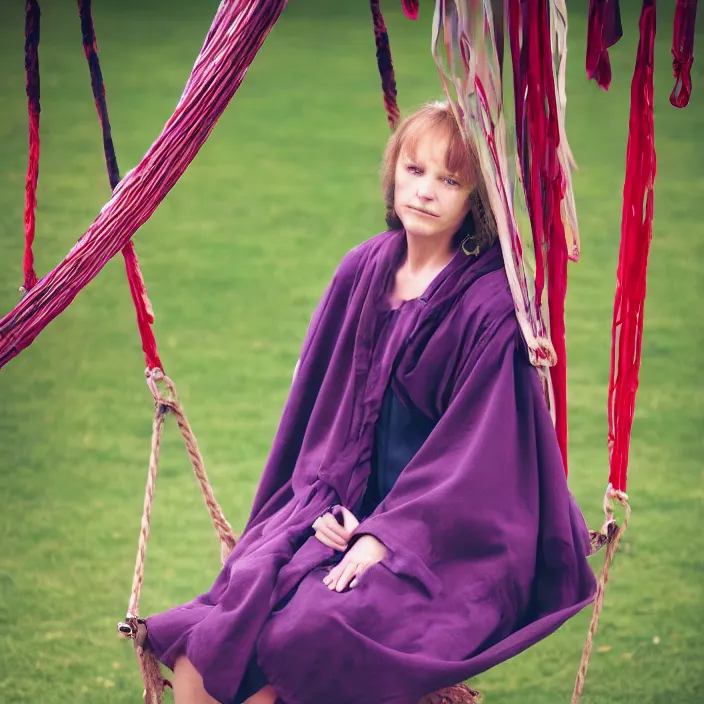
[{"x": 435, "y": 118}]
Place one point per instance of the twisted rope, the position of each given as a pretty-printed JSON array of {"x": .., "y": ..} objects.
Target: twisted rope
[
  {"x": 133, "y": 626},
  {"x": 154, "y": 682},
  {"x": 459, "y": 694},
  {"x": 138, "y": 579},
  {"x": 609, "y": 529},
  {"x": 223, "y": 529}
]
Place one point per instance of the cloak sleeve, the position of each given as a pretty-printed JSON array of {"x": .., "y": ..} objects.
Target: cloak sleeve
[
  {"x": 317, "y": 351},
  {"x": 483, "y": 510}
]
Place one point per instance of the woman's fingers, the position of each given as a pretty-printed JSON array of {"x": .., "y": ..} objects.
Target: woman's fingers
[
  {"x": 358, "y": 573},
  {"x": 330, "y": 579},
  {"x": 350, "y": 520},
  {"x": 331, "y": 523},
  {"x": 328, "y": 527},
  {"x": 330, "y": 539},
  {"x": 331, "y": 542},
  {"x": 344, "y": 576}
]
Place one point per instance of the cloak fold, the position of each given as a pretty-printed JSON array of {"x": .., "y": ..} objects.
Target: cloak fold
[{"x": 487, "y": 548}]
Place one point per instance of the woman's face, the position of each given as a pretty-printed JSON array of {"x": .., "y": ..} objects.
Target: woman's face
[{"x": 429, "y": 201}]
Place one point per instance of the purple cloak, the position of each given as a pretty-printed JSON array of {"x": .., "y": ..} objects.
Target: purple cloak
[{"x": 487, "y": 548}]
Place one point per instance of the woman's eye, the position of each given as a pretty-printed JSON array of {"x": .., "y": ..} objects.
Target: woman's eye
[
  {"x": 413, "y": 169},
  {"x": 452, "y": 182}
]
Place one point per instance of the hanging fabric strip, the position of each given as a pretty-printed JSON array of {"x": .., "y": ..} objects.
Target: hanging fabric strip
[
  {"x": 526, "y": 161},
  {"x": 603, "y": 31},
  {"x": 138, "y": 289},
  {"x": 558, "y": 34},
  {"x": 683, "y": 51},
  {"x": 465, "y": 53},
  {"x": 410, "y": 8},
  {"x": 31, "y": 65},
  {"x": 636, "y": 235},
  {"x": 545, "y": 188},
  {"x": 238, "y": 31},
  {"x": 385, "y": 64}
]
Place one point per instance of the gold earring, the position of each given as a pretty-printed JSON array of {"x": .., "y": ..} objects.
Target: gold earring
[{"x": 465, "y": 242}]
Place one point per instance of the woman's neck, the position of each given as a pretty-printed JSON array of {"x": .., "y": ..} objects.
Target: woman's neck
[{"x": 427, "y": 253}]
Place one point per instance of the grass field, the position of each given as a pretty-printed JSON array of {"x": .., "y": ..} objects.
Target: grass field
[{"x": 235, "y": 260}]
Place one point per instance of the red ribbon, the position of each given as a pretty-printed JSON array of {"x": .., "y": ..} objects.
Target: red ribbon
[
  {"x": 538, "y": 139},
  {"x": 386, "y": 66},
  {"x": 410, "y": 8},
  {"x": 138, "y": 289},
  {"x": 683, "y": 51},
  {"x": 636, "y": 235},
  {"x": 603, "y": 31},
  {"x": 145, "y": 315},
  {"x": 31, "y": 63}
]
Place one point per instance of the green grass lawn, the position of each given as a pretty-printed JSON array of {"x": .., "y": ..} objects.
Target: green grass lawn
[{"x": 235, "y": 260}]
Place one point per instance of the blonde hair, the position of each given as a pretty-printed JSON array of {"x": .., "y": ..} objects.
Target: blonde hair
[{"x": 461, "y": 160}]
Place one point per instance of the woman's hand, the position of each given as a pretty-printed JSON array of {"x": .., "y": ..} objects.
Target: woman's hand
[
  {"x": 329, "y": 532},
  {"x": 367, "y": 551}
]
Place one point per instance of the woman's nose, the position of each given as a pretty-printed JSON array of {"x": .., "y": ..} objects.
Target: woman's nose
[{"x": 425, "y": 189}]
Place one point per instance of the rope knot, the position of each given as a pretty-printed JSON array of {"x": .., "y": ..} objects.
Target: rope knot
[{"x": 167, "y": 399}]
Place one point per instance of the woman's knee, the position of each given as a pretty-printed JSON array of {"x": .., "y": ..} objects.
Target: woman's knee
[{"x": 188, "y": 684}]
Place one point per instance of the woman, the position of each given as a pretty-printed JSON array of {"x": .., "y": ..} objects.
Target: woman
[{"x": 453, "y": 543}]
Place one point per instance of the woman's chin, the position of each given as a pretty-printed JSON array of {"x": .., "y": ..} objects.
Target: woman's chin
[{"x": 414, "y": 228}]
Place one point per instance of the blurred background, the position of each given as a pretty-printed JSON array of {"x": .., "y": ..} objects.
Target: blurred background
[{"x": 235, "y": 260}]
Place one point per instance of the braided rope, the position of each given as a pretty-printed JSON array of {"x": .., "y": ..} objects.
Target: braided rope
[
  {"x": 134, "y": 627},
  {"x": 138, "y": 578},
  {"x": 608, "y": 529},
  {"x": 154, "y": 682},
  {"x": 459, "y": 694},
  {"x": 222, "y": 527}
]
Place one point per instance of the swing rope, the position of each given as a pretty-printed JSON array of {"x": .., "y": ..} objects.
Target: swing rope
[
  {"x": 458, "y": 694},
  {"x": 133, "y": 626},
  {"x": 223, "y": 529},
  {"x": 613, "y": 535}
]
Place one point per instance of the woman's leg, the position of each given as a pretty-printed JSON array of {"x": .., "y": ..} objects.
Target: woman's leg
[
  {"x": 266, "y": 695},
  {"x": 188, "y": 684},
  {"x": 188, "y": 687}
]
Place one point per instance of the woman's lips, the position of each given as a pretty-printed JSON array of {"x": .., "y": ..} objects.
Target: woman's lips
[{"x": 422, "y": 212}]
